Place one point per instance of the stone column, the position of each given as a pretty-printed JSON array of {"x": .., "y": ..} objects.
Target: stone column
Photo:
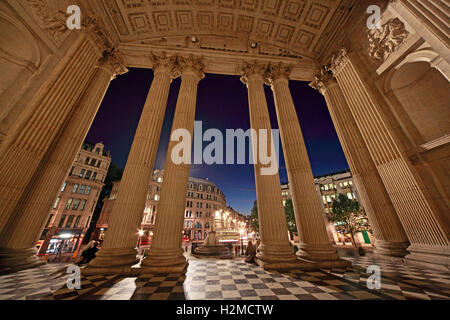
[
  {"x": 276, "y": 251},
  {"x": 314, "y": 242},
  {"x": 391, "y": 239},
  {"x": 17, "y": 242},
  {"x": 118, "y": 253},
  {"x": 414, "y": 205},
  {"x": 166, "y": 254},
  {"x": 28, "y": 141}
]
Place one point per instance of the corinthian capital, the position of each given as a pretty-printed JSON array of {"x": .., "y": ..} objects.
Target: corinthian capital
[
  {"x": 320, "y": 80},
  {"x": 113, "y": 62},
  {"x": 338, "y": 61},
  {"x": 92, "y": 26},
  {"x": 252, "y": 69},
  {"x": 193, "y": 64},
  {"x": 277, "y": 71},
  {"x": 163, "y": 63}
]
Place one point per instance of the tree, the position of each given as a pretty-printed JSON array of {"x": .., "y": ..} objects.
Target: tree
[
  {"x": 290, "y": 216},
  {"x": 288, "y": 210},
  {"x": 254, "y": 223},
  {"x": 349, "y": 216}
]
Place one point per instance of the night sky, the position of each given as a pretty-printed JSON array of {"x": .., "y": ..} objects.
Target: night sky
[{"x": 222, "y": 104}]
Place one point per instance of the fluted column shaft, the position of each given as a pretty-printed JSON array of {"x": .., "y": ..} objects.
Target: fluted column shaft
[
  {"x": 314, "y": 241},
  {"x": 120, "y": 240},
  {"x": 391, "y": 239},
  {"x": 28, "y": 141},
  {"x": 17, "y": 242},
  {"x": 273, "y": 231},
  {"x": 414, "y": 206},
  {"x": 166, "y": 252}
]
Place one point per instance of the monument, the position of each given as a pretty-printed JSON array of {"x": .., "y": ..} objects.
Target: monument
[{"x": 211, "y": 247}]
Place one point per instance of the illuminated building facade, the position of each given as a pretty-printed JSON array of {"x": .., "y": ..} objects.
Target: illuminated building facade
[{"x": 74, "y": 206}]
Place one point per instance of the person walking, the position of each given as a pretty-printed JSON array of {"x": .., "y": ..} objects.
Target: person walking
[{"x": 89, "y": 253}]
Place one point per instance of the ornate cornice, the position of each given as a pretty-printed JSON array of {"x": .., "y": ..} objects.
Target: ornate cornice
[
  {"x": 277, "y": 71},
  {"x": 193, "y": 64},
  {"x": 249, "y": 69},
  {"x": 383, "y": 42},
  {"x": 338, "y": 61},
  {"x": 163, "y": 63},
  {"x": 54, "y": 21}
]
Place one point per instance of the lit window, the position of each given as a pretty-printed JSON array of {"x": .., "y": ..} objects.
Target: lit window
[
  {"x": 156, "y": 197},
  {"x": 69, "y": 203},
  {"x": 88, "y": 190},
  {"x": 82, "y": 205},
  {"x": 75, "y": 187},
  {"x": 349, "y": 195},
  {"x": 64, "y": 187},
  {"x": 76, "y": 204},
  {"x": 55, "y": 206},
  {"x": 82, "y": 189}
]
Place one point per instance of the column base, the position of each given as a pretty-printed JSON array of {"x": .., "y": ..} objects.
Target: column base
[
  {"x": 112, "y": 261},
  {"x": 13, "y": 260},
  {"x": 164, "y": 261},
  {"x": 391, "y": 249},
  {"x": 434, "y": 257},
  {"x": 317, "y": 252},
  {"x": 301, "y": 265}
]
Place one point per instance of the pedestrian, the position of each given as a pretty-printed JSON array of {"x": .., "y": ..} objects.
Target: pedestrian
[
  {"x": 89, "y": 253},
  {"x": 236, "y": 250},
  {"x": 250, "y": 252}
]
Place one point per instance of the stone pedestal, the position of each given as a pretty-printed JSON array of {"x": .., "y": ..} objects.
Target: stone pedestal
[
  {"x": 118, "y": 250},
  {"x": 212, "y": 249},
  {"x": 166, "y": 254}
]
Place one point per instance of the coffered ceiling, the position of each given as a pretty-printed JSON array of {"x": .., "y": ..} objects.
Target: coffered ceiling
[{"x": 294, "y": 30}]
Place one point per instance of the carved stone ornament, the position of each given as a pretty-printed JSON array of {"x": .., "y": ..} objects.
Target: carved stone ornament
[
  {"x": 255, "y": 67},
  {"x": 192, "y": 63},
  {"x": 54, "y": 21},
  {"x": 338, "y": 61},
  {"x": 277, "y": 71},
  {"x": 320, "y": 80},
  {"x": 91, "y": 24},
  {"x": 164, "y": 63},
  {"x": 383, "y": 42},
  {"x": 114, "y": 61}
]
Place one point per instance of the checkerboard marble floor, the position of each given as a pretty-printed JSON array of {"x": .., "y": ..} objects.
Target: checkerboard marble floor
[{"x": 232, "y": 280}]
